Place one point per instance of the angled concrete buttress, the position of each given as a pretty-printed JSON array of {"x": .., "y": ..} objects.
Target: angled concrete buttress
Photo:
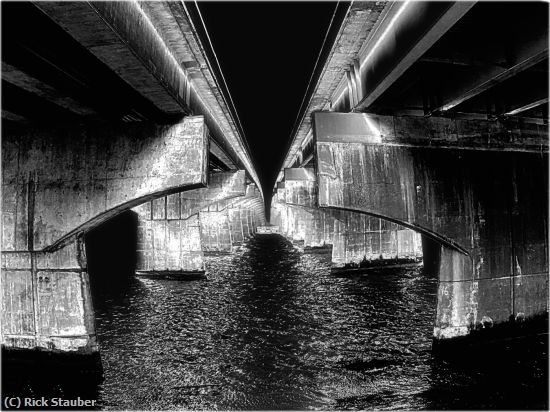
[
  {"x": 59, "y": 184},
  {"x": 478, "y": 188}
]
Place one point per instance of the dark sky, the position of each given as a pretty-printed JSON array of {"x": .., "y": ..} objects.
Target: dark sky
[{"x": 267, "y": 52}]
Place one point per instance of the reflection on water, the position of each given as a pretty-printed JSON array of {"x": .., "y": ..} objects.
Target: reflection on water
[{"x": 271, "y": 328}]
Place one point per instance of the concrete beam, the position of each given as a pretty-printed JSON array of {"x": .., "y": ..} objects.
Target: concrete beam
[
  {"x": 408, "y": 31},
  {"x": 299, "y": 174},
  {"x": 359, "y": 23},
  {"x": 58, "y": 184},
  {"x": 26, "y": 82},
  {"x": 13, "y": 117},
  {"x": 221, "y": 186},
  {"x": 526, "y": 56},
  {"x": 433, "y": 132},
  {"x": 122, "y": 36},
  {"x": 525, "y": 107}
]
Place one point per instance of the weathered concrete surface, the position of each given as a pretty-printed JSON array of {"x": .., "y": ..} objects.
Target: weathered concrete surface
[
  {"x": 153, "y": 47},
  {"x": 237, "y": 218},
  {"x": 296, "y": 209},
  {"x": 292, "y": 222},
  {"x": 221, "y": 186},
  {"x": 300, "y": 187},
  {"x": 486, "y": 207},
  {"x": 169, "y": 228},
  {"x": 357, "y": 238},
  {"x": 360, "y": 239},
  {"x": 59, "y": 183},
  {"x": 361, "y": 20},
  {"x": 227, "y": 223},
  {"x": 319, "y": 229},
  {"x": 175, "y": 231},
  {"x": 46, "y": 301},
  {"x": 215, "y": 231},
  {"x": 246, "y": 214},
  {"x": 169, "y": 245}
]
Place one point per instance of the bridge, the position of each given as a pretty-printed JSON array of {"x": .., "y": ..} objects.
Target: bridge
[
  {"x": 425, "y": 131},
  {"x": 111, "y": 108},
  {"x": 423, "y": 135}
]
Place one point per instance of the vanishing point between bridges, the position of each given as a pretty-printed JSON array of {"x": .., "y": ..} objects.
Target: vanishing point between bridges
[{"x": 274, "y": 205}]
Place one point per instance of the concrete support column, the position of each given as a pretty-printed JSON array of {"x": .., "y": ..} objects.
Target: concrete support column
[
  {"x": 361, "y": 240},
  {"x": 169, "y": 234},
  {"x": 245, "y": 215},
  {"x": 168, "y": 245},
  {"x": 46, "y": 301},
  {"x": 236, "y": 225},
  {"x": 215, "y": 232},
  {"x": 319, "y": 231},
  {"x": 480, "y": 189},
  {"x": 59, "y": 184}
]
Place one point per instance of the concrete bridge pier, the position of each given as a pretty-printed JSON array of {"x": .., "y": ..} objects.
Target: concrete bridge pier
[
  {"x": 59, "y": 184},
  {"x": 176, "y": 231},
  {"x": 215, "y": 231},
  {"x": 246, "y": 214},
  {"x": 226, "y": 224},
  {"x": 366, "y": 241},
  {"x": 171, "y": 235},
  {"x": 478, "y": 188},
  {"x": 46, "y": 300},
  {"x": 357, "y": 240}
]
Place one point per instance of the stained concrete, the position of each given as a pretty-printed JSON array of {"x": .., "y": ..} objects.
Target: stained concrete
[
  {"x": 479, "y": 189},
  {"x": 172, "y": 232},
  {"x": 355, "y": 238},
  {"x": 46, "y": 301},
  {"x": 154, "y": 48},
  {"x": 58, "y": 184},
  {"x": 176, "y": 231}
]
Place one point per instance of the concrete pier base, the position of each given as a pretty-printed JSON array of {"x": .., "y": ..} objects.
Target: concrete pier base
[
  {"x": 170, "y": 232},
  {"x": 57, "y": 186},
  {"x": 468, "y": 185},
  {"x": 215, "y": 232},
  {"x": 362, "y": 241},
  {"x": 357, "y": 240},
  {"x": 46, "y": 301}
]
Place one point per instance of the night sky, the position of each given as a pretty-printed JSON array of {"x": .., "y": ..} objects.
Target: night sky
[{"x": 267, "y": 52}]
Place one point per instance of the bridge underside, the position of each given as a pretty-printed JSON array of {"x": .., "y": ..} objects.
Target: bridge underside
[
  {"x": 109, "y": 109},
  {"x": 47, "y": 295},
  {"x": 434, "y": 116}
]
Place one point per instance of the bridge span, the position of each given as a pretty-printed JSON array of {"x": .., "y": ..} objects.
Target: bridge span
[
  {"x": 110, "y": 108},
  {"x": 423, "y": 136},
  {"x": 425, "y": 117}
]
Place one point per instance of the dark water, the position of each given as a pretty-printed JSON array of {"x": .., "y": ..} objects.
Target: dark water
[{"x": 271, "y": 328}]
